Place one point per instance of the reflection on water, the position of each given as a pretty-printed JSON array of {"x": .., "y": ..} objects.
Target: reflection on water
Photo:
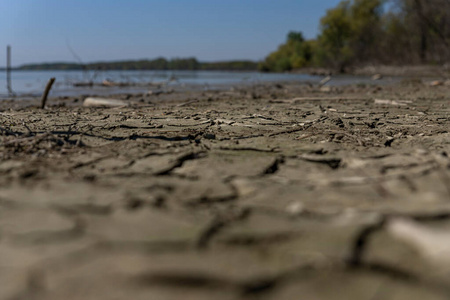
[{"x": 33, "y": 82}]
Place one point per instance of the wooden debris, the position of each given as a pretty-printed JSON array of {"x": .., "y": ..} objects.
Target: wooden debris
[
  {"x": 327, "y": 98},
  {"x": 98, "y": 102},
  {"x": 188, "y": 103},
  {"x": 436, "y": 83},
  {"x": 46, "y": 91},
  {"x": 107, "y": 82},
  {"x": 225, "y": 121},
  {"x": 392, "y": 102},
  {"x": 377, "y": 77},
  {"x": 325, "y": 80}
]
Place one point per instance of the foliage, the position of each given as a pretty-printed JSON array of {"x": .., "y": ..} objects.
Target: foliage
[
  {"x": 238, "y": 65},
  {"x": 336, "y": 35},
  {"x": 52, "y": 66},
  {"x": 295, "y": 53},
  {"x": 427, "y": 27},
  {"x": 359, "y": 32}
]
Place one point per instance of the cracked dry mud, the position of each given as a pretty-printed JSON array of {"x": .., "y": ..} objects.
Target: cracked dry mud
[{"x": 264, "y": 192}]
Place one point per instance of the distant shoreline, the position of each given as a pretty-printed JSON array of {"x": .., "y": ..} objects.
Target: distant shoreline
[{"x": 190, "y": 64}]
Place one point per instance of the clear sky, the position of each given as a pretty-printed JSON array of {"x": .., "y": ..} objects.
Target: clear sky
[{"x": 102, "y": 30}]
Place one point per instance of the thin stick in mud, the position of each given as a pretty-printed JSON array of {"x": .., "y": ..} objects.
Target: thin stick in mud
[
  {"x": 8, "y": 72},
  {"x": 47, "y": 90}
]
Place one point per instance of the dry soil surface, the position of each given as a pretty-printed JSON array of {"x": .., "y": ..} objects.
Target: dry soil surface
[{"x": 276, "y": 191}]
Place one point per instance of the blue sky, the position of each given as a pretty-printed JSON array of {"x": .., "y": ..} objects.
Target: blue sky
[{"x": 101, "y": 30}]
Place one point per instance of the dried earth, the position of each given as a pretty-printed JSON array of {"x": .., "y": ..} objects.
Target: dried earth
[{"x": 275, "y": 191}]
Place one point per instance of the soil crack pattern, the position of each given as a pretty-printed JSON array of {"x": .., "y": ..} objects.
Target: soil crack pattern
[{"x": 268, "y": 191}]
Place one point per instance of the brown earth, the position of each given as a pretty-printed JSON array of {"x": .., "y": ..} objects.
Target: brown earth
[{"x": 276, "y": 191}]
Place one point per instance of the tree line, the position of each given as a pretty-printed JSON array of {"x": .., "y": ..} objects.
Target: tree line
[
  {"x": 155, "y": 64},
  {"x": 361, "y": 32}
]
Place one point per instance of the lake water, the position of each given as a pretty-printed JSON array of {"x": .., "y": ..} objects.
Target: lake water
[{"x": 33, "y": 82}]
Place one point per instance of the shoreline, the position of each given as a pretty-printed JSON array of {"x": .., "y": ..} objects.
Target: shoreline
[
  {"x": 163, "y": 87},
  {"x": 406, "y": 71},
  {"x": 126, "y": 81}
]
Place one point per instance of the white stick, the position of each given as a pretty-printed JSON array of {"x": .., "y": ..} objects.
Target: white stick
[{"x": 95, "y": 102}]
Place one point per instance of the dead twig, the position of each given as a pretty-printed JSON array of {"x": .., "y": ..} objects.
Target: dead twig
[
  {"x": 271, "y": 150},
  {"x": 304, "y": 99},
  {"x": 46, "y": 91},
  {"x": 30, "y": 132},
  {"x": 304, "y": 126},
  {"x": 25, "y": 139},
  {"x": 7, "y": 132},
  {"x": 187, "y": 103}
]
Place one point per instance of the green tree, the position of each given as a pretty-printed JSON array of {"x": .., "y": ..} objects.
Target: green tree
[
  {"x": 366, "y": 29},
  {"x": 335, "y": 37},
  {"x": 295, "y": 37},
  {"x": 295, "y": 53},
  {"x": 396, "y": 44},
  {"x": 349, "y": 33},
  {"x": 428, "y": 24},
  {"x": 360, "y": 32}
]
